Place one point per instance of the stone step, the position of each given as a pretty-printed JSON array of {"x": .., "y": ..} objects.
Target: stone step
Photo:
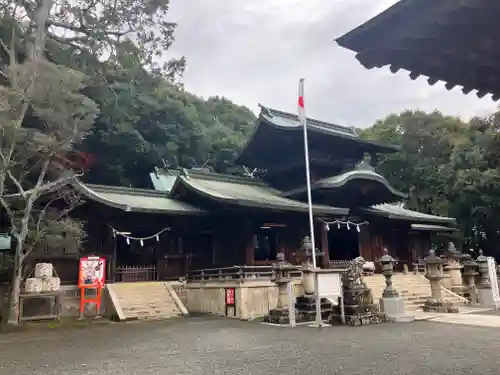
[
  {"x": 144, "y": 311},
  {"x": 145, "y": 300},
  {"x": 165, "y": 305}
]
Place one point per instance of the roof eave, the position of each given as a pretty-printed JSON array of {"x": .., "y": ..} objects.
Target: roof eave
[
  {"x": 439, "y": 220},
  {"x": 246, "y": 203},
  {"x": 95, "y": 196}
]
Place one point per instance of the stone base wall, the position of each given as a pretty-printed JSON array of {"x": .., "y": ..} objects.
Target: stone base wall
[
  {"x": 253, "y": 298},
  {"x": 70, "y": 303}
]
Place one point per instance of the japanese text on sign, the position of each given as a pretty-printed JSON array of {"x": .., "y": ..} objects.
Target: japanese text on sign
[{"x": 230, "y": 296}]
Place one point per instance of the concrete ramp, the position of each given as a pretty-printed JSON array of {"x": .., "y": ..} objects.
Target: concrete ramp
[{"x": 145, "y": 300}]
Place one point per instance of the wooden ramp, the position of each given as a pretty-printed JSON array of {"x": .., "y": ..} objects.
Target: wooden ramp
[{"x": 145, "y": 300}]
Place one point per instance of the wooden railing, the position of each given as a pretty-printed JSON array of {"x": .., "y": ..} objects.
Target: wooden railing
[
  {"x": 135, "y": 273},
  {"x": 339, "y": 264},
  {"x": 238, "y": 273}
]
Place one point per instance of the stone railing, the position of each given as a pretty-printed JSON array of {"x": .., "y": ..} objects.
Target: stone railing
[{"x": 237, "y": 273}]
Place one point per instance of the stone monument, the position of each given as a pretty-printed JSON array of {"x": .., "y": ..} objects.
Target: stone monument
[
  {"x": 470, "y": 273},
  {"x": 391, "y": 303},
  {"x": 453, "y": 267},
  {"x": 434, "y": 272},
  {"x": 359, "y": 307}
]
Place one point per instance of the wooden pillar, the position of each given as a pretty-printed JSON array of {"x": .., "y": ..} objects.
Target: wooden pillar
[
  {"x": 365, "y": 243},
  {"x": 325, "y": 246},
  {"x": 248, "y": 236}
]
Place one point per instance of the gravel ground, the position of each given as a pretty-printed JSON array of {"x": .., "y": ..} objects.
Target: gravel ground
[{"x": 214, "y": 346}]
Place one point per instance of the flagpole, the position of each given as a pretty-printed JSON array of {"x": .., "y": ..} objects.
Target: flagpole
[{"x": 303, "y": 120}]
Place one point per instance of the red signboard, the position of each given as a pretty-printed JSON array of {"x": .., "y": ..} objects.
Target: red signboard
[{"x": 229, "y": 296}]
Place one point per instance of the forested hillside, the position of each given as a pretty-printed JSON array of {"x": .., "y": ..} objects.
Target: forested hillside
[{"x": 450, "y": 167}]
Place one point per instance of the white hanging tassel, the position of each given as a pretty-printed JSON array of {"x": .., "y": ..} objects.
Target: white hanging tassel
[
  {"x": 357, "y": 228},
  {"x": 128, "y": 241},
  {"x": 114, "y": 233},
  {"x": 327, "y": 227},
  {"x": 348, "y": 227},
  {"x": 142, "y": 243},
  {"x": 338, "y": 225},
  {"x": 157, "y": 238}
]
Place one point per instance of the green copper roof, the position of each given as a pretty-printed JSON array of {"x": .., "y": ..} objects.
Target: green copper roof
[
  {"x": 361, "y": 173},
  {"x": 246, "y": 192},
  {"x": 392, "y": 211},
  {"x": 135, "y": 200},
  {"x": 162, "y": 182}
]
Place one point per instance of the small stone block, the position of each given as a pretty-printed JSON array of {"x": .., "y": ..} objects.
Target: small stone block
[
  {"x": 401, "y": 319},
  {"x": 439, "y": 307},
  {"x": 394, "y": 306}
]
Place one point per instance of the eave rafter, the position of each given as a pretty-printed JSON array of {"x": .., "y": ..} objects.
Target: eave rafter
[{"x": 451, "y": 41}]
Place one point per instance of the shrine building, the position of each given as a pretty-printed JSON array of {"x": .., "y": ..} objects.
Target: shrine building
[{"x": 195, "y": 220}]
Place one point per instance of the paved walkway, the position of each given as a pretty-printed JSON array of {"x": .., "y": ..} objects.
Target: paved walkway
[
  {"x": 211, "y": 346},
  {"x": 468, "y": 315},
  {"x": 469, "y": 319}
]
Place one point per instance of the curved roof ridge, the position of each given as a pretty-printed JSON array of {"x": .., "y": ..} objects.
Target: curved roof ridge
[
  {"x": 311, "y": 121},
  {"x": 212, "y": 176}
]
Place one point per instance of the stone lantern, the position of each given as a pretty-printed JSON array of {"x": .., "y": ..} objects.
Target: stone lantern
[
  {"x": 281, "y": 276},
  {"x": 453, "y": 268},
  {"x": 387, "y": 264},
  {"x": 482, "y": 262},
  {"x": 390, "y": 303},
  {"x": 305, "y": 258},
  {"x": 434, "y": 272},
  {"x": 470, "y": 273}
]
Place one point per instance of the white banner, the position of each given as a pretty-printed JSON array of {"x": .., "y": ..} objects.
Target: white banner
[{"x": 492, "y": 273}]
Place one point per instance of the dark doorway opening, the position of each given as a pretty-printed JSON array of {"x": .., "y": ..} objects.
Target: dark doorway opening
[{"x": 343, "y": 243}]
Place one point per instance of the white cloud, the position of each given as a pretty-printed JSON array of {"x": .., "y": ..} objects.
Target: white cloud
[{"x": 255, "y": 51}]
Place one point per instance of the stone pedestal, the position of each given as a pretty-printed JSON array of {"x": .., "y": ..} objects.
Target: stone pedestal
[
  {"x": 394, "y": 308},
  {"x": 359, "y": 308}
]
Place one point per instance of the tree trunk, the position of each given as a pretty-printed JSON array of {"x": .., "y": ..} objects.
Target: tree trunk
[
  {"x": 19, "y": 257},
  {"x": 36, "y": 46},
  {"x": 14, "y": 296}
]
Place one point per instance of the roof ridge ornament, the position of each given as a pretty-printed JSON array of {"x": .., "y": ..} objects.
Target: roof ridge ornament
[{"x": 366, "y": 163}]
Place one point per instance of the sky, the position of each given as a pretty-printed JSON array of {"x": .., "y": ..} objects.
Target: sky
[{"x": 255, "y": 51}]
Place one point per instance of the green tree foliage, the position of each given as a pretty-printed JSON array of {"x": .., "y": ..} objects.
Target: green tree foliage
[
  {"x": 450, "y": 167},
  {"x": 142, "y": 127}
]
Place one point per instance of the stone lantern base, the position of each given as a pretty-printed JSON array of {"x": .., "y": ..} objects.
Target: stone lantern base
[
  {"x": 305, "y": 311},
  {"x": 394, "y": 309},
  {"x": 487, "y": 298},
  {"x": 434, "y": 305}
]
